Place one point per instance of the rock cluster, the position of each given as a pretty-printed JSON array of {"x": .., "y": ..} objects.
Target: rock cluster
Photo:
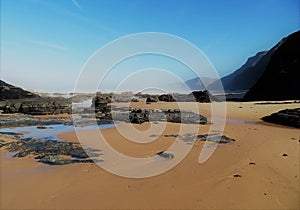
[
  {"x": 49, "y": 151},
  {"x": 37, "y": 106},
  {"x": 16, "y": 120},
  {"x": 139, "y": 116},
  {"x": 288, "y": 117}
]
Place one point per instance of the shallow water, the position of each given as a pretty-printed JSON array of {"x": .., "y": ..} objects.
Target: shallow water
[
  {"x": 232, "y": 120},
  {"x": 51, "y": 131}
]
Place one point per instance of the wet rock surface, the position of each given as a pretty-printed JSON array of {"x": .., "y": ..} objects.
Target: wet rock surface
[
  {"x": 37, "y": 106},
  {"x": 16, "y": 120},
  {"x": 139, "y": 116},
  {"x": 222, "y": 139},
  {"x": 288, "y": 117},
  {"x": 165, "y": 154},
  {"x": 48, "y": 151}
]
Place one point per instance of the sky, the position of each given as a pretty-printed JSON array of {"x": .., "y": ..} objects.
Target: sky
[{"x": 46, "y": 43}]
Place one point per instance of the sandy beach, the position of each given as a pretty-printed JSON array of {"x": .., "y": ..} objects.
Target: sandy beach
[{"x": 267, "y": 178}]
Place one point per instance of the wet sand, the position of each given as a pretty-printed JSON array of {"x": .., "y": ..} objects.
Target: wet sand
[{"x": 268, "y": 180}]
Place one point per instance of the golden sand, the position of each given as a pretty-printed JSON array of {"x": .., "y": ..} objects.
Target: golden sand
[{"x": 271, "y": 181}]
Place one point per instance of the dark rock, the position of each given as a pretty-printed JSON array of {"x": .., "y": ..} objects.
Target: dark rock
[
  {"x": 165, "y": 155},
  {"x": 201, "y": 96},
  {"x": 58, "y": 160},
  {"x": 215, "y": 138},
  {"x": 37, "y": 106},
  {"x": 100, "y": 103},
  {"x": 17, "y": 120},
  {"x": 280, "y": 79},
  {"x": 288, "y": 117},
  {"x": 54, "y": 160},
  {"x": 49, "y": 151},
  {"x": 171, "y": 135},
  {"x": 139, "y": 116},
  {"x": 8, "y": 91},
  {"x": 166, "y": 97},
  {"x": 41, "y": 127},
  {"x": 252, "y": 163},
  {"x": 237, "y": 175},
  {"x": 151, "y": 99},
  {"x": 284, "y": 154}
]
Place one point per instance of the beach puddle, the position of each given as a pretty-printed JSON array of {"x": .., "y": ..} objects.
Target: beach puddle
[{"x": 232, "y": 120}]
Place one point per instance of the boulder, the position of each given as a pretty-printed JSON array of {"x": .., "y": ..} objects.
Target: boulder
[
  {"x": 151, "y": 99},
  {"x": 288, "y": 117},
  {"x": 166, "y": 97}
]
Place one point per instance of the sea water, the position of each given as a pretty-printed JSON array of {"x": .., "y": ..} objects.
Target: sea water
[{"x": 50, "y": 132}]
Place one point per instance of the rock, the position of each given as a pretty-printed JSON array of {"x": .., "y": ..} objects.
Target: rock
[
  {"x": 16, "y": 120},
  {"x": 165, "y": 155},
  {"x": 166, "y": 97},
  {"x": 215, "y": 138},
  {"x": 151, "y": 99},
  {"x": 37, "y": 106},
  {"x": 139, "y": 116},
  {"x": 58, "y": 160},
  {"x": 54, "y": 160},
  {"x": 8, "y": 92},
  {"x": 252, "y": 163},
  {"x": 201, "y": 96},
  {"x": 41, "y": 127},
  {"x": 284, "y": 155},
  {"x": 100, "y": 104},
  {"x": 280, "y": 79},
  {"x": 288, "y": 117},
  {"x": 49, "y": 151},
  {"x": 237, "y": 175}
]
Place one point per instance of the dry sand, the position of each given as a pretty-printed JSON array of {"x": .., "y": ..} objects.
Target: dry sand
[{"x": 271, "y": 183}]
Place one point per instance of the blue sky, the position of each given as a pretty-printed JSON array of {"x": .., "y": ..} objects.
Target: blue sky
[{"x": 45, "y": 43}]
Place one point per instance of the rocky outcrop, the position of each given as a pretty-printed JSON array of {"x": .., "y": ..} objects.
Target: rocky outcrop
[
  {"x": 8, "y": 92},
  {"x": 100, "y": 104},
  {"x": 49, "y": 151},
  {"x": 215, "y": 138},
  {"x": 152, "y": 99},
  {"x": 195, "y": 96},
  {"x": 166, "y": 97},
  {"x": 280, "y": 79},
  {"x": 37, "y": 106},
  {"x": 16, "y": 120},
  {"x": 139, "y": 116},
  {"x": 201, "y": 96},
  {"x": 288, "y": 117}
]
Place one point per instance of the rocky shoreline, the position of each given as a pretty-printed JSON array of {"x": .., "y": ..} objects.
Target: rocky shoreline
[{"x": 50, "y": 152}]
